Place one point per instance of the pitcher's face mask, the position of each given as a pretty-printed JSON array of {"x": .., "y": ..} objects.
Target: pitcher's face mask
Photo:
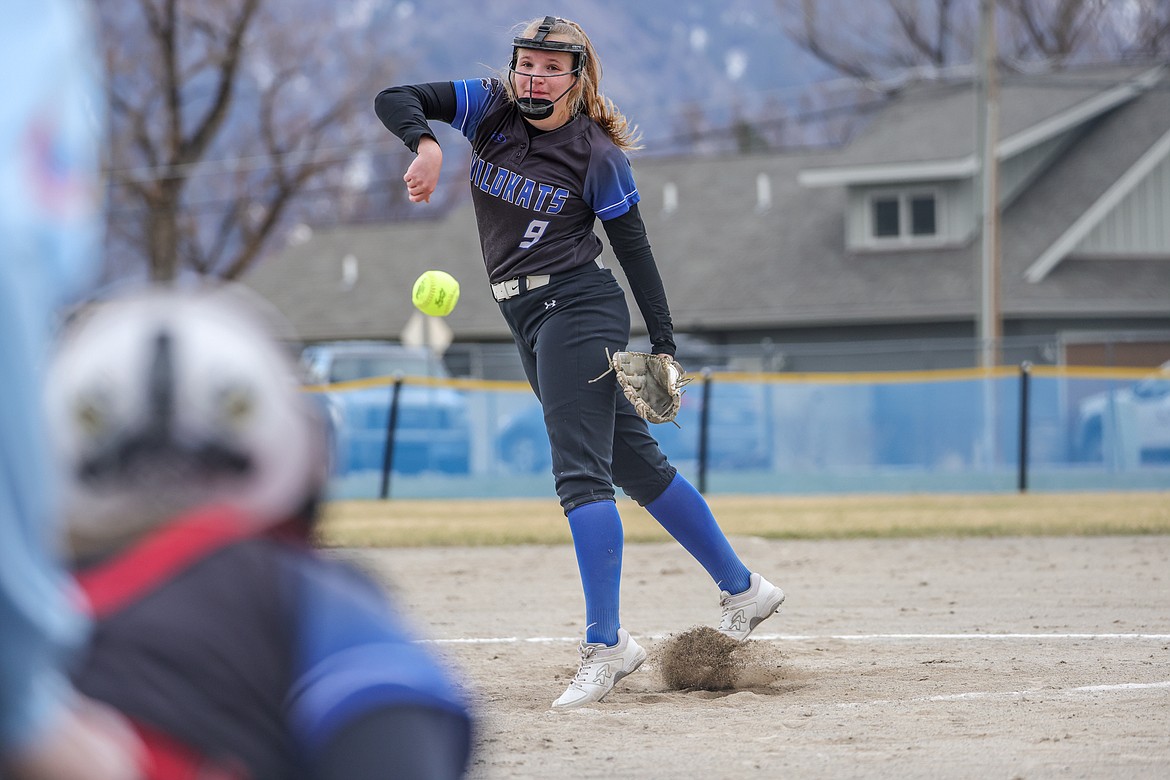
[{"x": 542, "y": 108}]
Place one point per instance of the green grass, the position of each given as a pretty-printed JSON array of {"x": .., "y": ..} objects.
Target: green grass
[{"x": 477, "y": 522}]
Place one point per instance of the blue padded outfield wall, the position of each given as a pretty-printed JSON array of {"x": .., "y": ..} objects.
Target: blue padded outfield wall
[{"x": 925, "y": 431}]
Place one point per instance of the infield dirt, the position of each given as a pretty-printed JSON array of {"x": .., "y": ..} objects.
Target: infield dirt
[{"x": 909, "y": 658}]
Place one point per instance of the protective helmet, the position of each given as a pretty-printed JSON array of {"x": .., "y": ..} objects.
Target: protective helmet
[
  {"x": 169, "y": 400},
  {"x": 541, "y": 108}
]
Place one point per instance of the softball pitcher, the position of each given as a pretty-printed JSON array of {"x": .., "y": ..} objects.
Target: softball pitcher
[{"x": 549, "y": 159}]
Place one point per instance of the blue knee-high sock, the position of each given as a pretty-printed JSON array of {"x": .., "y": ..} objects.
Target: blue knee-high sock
[
  {"x": 684, "y": 513},
  {"x": 598, "y": 540}
]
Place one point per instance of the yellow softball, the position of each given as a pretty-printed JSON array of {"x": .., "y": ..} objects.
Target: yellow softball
[{"x": 435, "y": 293}]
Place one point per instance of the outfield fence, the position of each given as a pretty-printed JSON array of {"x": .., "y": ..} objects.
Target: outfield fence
[{"x": 1024, "y": 428}]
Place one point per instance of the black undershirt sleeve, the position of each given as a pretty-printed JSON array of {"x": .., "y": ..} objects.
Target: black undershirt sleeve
[
  {"x": 627, "y": 236},
  {"x": 405, "y": 110}
]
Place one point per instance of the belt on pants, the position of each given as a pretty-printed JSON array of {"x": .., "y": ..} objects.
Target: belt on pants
[{"x": 510, "y": 288}]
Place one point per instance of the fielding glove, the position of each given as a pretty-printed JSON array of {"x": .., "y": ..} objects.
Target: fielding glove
[{"x": 653, "y": 383}]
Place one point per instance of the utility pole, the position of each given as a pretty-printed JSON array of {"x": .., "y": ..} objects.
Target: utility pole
[
  {"x": 989, "y": 310},
  {"x": 990, "y": 331}
]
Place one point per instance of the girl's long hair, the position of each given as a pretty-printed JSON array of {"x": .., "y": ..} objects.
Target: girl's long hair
[{"x": 585, "y": 96}]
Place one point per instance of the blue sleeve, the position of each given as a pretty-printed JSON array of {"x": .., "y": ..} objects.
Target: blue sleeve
[
  {"x": 472, "y": 98},
  {"x": 609, "y": 183},
  {"x": 49, "y": 226},
  {"x": 355, "y": 657},
  {"x": 38, "y": 626}
]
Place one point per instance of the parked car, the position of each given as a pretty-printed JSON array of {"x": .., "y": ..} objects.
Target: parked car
[
  {"x": 738, "y": 437},
  {"x": 1140, "y": 413},
  {"x": 433, "y": 431}
]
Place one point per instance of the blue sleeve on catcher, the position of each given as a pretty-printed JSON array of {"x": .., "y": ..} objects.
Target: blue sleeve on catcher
[
  {"x": 355, "y": 656},
  {"x": 51, "y": 127}
]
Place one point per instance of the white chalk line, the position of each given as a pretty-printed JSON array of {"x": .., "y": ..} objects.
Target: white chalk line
[
  {"x": 1033, "y": 692},
  {"x": 1041, "y": 691},
  {"x": 1037, "y": 637}
]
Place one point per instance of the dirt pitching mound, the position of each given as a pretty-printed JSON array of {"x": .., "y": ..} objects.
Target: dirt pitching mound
[{"x": 704, "y": 659}]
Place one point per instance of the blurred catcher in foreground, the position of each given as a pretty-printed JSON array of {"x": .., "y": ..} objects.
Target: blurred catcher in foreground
[{"x": 236, "y": 650}]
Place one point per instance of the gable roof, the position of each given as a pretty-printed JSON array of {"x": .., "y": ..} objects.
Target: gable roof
[
  {"x": 1153, "y": 157},
  {"x": 1077, "y": 190},
  {"x": 930, "y": 131}
]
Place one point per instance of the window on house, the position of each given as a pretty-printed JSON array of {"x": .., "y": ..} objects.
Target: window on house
[
  {"x": 922, "y": 222},
  {"x": 885, "y": 217},
  {"x": 905, "y": 216}
]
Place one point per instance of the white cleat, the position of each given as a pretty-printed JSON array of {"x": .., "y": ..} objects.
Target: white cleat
[
  {"x": 742, "y": 612},
  {"x": 601, "y": 667}
]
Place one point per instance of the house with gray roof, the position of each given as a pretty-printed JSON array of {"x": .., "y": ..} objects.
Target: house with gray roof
[{"x": 822, "y": 260}]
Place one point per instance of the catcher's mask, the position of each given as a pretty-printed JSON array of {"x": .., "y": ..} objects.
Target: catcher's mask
[
  {"x": 542, "y": 108},
  {"x": 168, "y": 400}
]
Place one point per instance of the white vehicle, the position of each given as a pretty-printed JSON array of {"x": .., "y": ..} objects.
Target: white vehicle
[{"x": 1132, "y": 420}]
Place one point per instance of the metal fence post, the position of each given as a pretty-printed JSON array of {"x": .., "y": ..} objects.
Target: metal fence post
[
  {"x": 391, "y": 427},
  {"x": 1025, "y": 382},
  {"x": 704, "y": 435}
]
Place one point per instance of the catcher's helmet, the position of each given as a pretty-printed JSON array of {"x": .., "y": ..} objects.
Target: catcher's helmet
[
  {"x": 166, "y": 401},
  {"x": 540, "y": 108}
]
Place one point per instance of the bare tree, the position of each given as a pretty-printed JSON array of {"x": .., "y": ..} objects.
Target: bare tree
[
  {"x": 1055, "y": 30},
  {"x": 870, "y": 41},
  {"x": 1145, "y": 29},
  {"x": 222, "y": 112},
  {"x": 874, "y": 40}
]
